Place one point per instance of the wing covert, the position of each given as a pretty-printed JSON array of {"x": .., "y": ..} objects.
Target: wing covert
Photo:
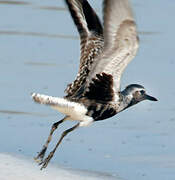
[{"x": 120, "y": 42}]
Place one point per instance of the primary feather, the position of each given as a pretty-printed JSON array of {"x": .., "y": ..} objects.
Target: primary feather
[{"x": 91, "y": 37}]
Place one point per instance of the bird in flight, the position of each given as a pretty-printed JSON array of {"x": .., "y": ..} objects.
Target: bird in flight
[{"x": 106, "y": 50}]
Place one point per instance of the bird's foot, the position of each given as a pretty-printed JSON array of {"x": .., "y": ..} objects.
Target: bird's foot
[
  {"x": 39, "y": 158},
  {"x": 46, "y": 160}
]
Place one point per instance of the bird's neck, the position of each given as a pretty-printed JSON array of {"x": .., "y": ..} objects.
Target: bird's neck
[{"x": 126, "y": 101}]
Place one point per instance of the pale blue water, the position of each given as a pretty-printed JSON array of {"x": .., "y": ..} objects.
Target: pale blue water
[{"x": 39, "y": 52}]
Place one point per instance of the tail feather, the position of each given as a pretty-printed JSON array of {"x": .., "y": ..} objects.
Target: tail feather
[
  {"x": 71, "y": 109},
  {"x": 49, "y": 100}
]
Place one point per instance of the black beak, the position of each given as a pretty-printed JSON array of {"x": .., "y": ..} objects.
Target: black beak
[{"x": 150, "y": 98}]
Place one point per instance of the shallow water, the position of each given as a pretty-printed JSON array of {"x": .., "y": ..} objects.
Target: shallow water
[
  {"x": 15, "y": 167},
  {"x": 39, "y": 53}
]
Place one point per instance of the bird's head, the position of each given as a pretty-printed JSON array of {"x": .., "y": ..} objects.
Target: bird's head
[{"x": 136, "y": 93}]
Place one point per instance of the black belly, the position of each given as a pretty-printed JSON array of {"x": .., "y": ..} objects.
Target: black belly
[{"x": 102, "y": 113}]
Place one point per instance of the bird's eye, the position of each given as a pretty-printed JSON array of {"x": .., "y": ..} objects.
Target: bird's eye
[{"x": 142, "y": 92}]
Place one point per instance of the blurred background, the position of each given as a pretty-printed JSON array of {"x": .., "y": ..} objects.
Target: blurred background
[{"x": 39, "y": 52}]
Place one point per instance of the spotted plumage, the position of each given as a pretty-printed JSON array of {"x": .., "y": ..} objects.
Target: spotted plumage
[
  {"x": 91, "y": 38},
  {"x": 105, "y": 53},
  {"x": 90, "y": 50}
]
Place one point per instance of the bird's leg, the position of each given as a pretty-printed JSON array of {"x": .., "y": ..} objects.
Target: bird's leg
[
  {"x": 49, "y": 157},
  {"x": 40, "y": 156}
]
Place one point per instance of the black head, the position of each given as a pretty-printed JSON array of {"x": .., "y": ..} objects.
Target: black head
[{"x": 137, "y": 93}]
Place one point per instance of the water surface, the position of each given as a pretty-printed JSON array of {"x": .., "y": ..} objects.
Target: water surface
[{"x": 39, "y": 53}]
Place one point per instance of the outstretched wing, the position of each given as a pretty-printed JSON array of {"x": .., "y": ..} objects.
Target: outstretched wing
[
  {"x": 91, "y": 37},
  {"x": 120, "y": 46}
]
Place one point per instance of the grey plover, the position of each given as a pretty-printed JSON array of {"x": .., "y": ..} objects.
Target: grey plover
[{"x": 105, "y": 52}]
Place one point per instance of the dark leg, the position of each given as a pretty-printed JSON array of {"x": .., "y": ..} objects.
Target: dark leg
[
  {"x": 41, "y": 154},
  {"x": 46, "y": 161}
]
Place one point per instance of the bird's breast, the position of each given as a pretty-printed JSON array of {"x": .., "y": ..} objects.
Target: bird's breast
[{"x": 100, "y": 111}]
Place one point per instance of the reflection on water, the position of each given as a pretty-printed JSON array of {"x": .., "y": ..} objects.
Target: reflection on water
[{"x": 23, "y": 113}]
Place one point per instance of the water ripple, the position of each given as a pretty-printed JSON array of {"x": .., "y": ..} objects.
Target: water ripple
[
  {"x": 14, "y": 3},
  {"x": 38, "y": 34},
  {"x": 23, "y": 113},
  {"x": 40, "y": 64},
  {"x": 52, "y": 8}
]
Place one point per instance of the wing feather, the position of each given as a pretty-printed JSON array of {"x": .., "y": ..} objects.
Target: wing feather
[
  {"x": 120, "y": 42},
  {"x": 91, "y": 37}
]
